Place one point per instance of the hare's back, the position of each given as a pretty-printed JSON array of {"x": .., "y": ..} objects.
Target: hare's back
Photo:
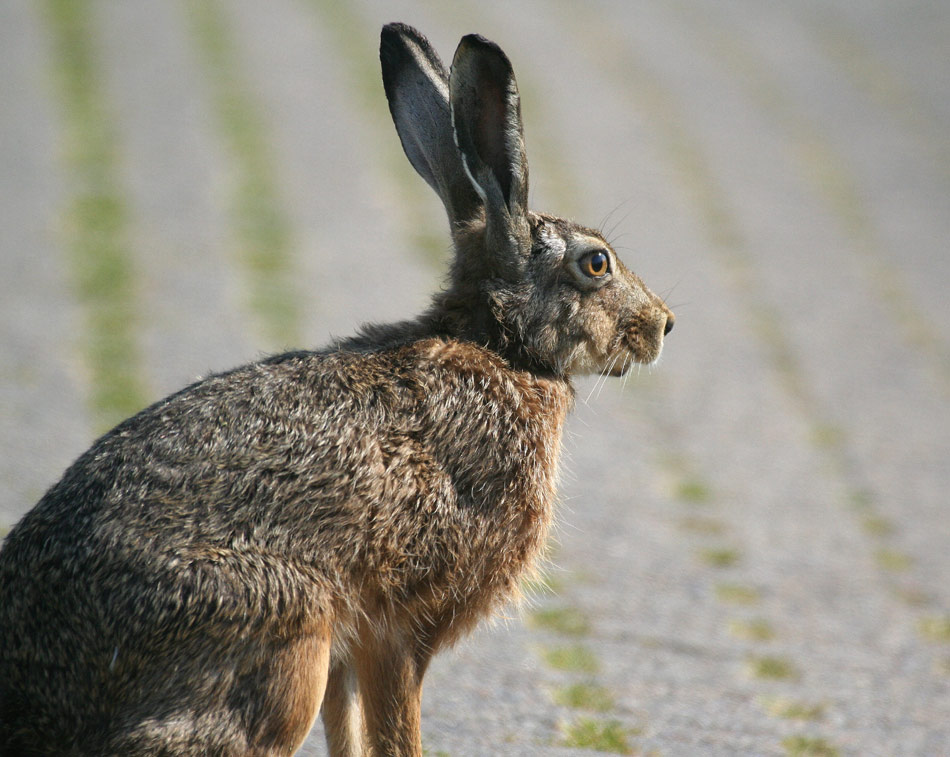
[{"x": 216, "y": 463}]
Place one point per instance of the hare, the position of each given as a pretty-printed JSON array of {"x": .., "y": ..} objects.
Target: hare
[{"x": 300, "y": 536}]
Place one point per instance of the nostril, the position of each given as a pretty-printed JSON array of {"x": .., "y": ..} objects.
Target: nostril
[{"x": 670, "y": 320}]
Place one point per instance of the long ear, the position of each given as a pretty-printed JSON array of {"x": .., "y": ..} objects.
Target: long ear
[
  {"x": 417, "y": 88},
  {"x": 486, "y": 115}
]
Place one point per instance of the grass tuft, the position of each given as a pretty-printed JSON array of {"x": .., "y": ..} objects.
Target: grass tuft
[
  {"x": 792, "y": 709},
  {"x": 935, "y": 629},
  {"x": 585, "y": 696},
  {"x": 693, "y": 491},
  {"x": 737, "y": 594},
  {"x": 603, "y": 736},
  {"x": 755, "y": 629},
  {"x": 808, "y": 746},
  {"x": 893, "y": 560},
  {"x": 564, "y": 620},
  {"x": 573, "y": 659},
  {"x": 720, "y": 558},
  {"x": 772, "y": 668}
]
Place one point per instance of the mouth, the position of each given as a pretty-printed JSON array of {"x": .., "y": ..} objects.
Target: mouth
[
  {"x": 620, "y": 366},
  {"x": 640, "y": 342}
]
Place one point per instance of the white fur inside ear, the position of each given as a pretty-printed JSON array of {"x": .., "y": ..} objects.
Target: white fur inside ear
[
  {"x": 455, "y": 138},
  {"x": 554, "y": 246},
  {"x": 514, "y": 142}
]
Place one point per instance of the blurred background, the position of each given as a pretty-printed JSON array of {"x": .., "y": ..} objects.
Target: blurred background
[{"x": 753, "y": 554}]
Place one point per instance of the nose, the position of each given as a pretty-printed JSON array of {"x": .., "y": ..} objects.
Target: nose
[{"x": 670, "y": 320}]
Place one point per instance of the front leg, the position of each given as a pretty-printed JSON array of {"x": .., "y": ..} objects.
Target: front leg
[
  {"x": 389, "y": 671},
  {"x": 341, "y": 712}
]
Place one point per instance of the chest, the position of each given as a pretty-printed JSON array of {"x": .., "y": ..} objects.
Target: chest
[{"x": 496, "y": 432}]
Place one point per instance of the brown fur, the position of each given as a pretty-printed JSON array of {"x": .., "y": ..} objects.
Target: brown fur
[{"x": 304, "y": 533}]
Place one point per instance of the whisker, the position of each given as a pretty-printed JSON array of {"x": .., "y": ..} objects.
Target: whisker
[
  {"x": 615, "y": 227},
  {"x": 671, "y": 289},
  {"x": 610, "y": 213},
  {"x": 593, "y": 388},
  {"x": 678, "y": 305},
  {"x": 626, "y": 375},
  {"x": 598, "y": 387},
  {"x": 607, "y": 373}
]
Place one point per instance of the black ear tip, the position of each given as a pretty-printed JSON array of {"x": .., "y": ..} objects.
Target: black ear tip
[
  {"x": 400, "y": 42},
  {"x": 394, "y": 43},
  {"x": 392, "y": 40},
  {"x": 398, "y": 33},
  {"x": 397, "y": 28},
  {"x": 391, "y": 36},
  {"x": 476, "y": 44},
  {"x": 478, "y": 41}
]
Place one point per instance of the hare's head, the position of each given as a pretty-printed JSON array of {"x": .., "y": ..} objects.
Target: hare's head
[{"x": 547, "y": 293}]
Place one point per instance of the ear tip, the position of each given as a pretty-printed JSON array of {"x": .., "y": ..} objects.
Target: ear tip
[
  {"x": 392, "y": 39},
  {"x": 395, "y": 41},
  {"x": 478, "y": 45},
  {"x": 391, "y": 34},
  {"x": 475, "y": 39},
  {"x": 400, "y": 43},
  {"x": 396, "y": 32},
  {"x": 395, "y": 29}
]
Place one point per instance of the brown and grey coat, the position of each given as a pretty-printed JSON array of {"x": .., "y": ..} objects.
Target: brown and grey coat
[{"x": 305, "y": 532}]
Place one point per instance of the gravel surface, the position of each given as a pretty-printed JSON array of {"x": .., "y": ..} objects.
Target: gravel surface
[{"x": 753, "y": 555}]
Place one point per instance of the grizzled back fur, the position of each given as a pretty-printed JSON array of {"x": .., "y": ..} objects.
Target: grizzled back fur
[{"x": 300, "y": 535}]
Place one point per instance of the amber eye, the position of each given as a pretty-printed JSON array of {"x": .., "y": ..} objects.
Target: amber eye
[{"x": 595, "y": 264}]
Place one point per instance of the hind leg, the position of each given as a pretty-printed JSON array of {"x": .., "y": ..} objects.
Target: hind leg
[
  {"x": 341, "y": 712},
  {"x": 258, "y": 698},
  {"x": 290, "y": 688}
]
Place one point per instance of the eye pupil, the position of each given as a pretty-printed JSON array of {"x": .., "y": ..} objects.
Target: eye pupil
[{"x": 596, "y": 264}]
